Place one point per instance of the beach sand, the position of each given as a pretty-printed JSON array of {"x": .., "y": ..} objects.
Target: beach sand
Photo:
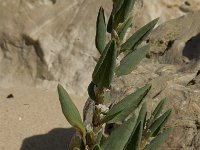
[{"x": 31, "y": 119}]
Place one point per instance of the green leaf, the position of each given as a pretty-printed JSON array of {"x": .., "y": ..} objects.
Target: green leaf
[
  {"x": 104, "y": 70},
  {"x": 159, "y": 108},
  {"x": 91, "y": 92},
  {"x": 130, "y": 61},
  {"x": 100, "y": 39},
  {"x": 158, "y": 140},
  {"x": 142, "y": 114},
  {"x": 70, "y": 111},
  {"x": 110, "y": 24},
  {"x": 138, "y": 36},
  {"x": 120, "y": 136},
  {"x": 97, "y": 147},
  {"x": 124, "y": 28},
  {"x": 99, "y": 136},
  {"x": 107, "y": 96},
  {"x": 122, "y": 109},
  {"x": 124, "y": 11},
  {"x": 134, "y": 142},
  {"x": 157, "y": 125},
  {"x": 117, "y": 4}
]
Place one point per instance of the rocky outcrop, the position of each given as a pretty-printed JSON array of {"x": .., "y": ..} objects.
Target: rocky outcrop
[
  {"x": 48, "y": 41},
  {"x": 177, "y": 41},
  {"x": 168, "y": 81}
]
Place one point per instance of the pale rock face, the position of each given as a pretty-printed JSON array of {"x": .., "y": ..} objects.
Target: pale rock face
[
  {"x": 44, "y": 42},
  {"x": 177, "y": 41},
  {"x": 49, "y": 41},
  {"x": 171, "y": 82}
]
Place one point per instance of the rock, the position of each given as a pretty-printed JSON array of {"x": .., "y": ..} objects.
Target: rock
[
  {"x": 177, "y": 41},
  {"x": 50, "y": 41},
  {"x": 46, "y": 42},
  {"x": 168, "y": 9},
  {"x": 167, "y": 81},
  {"x": 195, "y": 81}
]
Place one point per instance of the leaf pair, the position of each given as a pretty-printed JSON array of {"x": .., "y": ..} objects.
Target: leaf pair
[
  {"x": 123, "y": 13},
  {"x": 120, "y": 13},
  {"x": 129, "y": 135},
  {"x": 158, "y": 121},
  {"x": 138, "y": 36},
  {"x": 122, "y": 109},
  {"x": 158, "y": 140}
]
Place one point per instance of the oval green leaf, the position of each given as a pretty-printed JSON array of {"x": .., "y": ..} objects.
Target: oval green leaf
[
  {"x": 138, "y": 36},
  {"x": 120, "y": 136},
  {"x": 159, "y": 108},
  {"x": 97, "y": 147},
  {"x": 104, "y": 70},
  {"x": 124, "y": 11},
  {"x": 134, "y": 142},
  {"x": 158, "y": 140},
  {"x": 130, "y": 61},
  {"x": 100, "y": 39},
  {"x": 142, "y": 114},
  {"x": 158, "y": 124},
  {"x": 122, "y": 109},
  {"x": 70, "y": 111},
  {"x": 124, "y": 28}
]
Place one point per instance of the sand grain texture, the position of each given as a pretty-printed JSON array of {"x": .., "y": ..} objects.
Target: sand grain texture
[{"x": 32, "y": 120}]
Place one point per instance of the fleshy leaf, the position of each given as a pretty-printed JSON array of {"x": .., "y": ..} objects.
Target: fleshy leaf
[
  {"x": 138, "y": 36},
  {"x": 91, "y": 92},
  {"x": 158, "y": 140},
  {"x": 99, "y": 136},
  {"x": 134, "y": 142},
  {"x": 122, "y": 109},
  {"x": 97, "y": 147},
  {"x": 104, "y": 70},
  {"x": 100, "y": 39},
  {"x": 159, "y": 108},
  {"x": 120, "y": 136},
  {"x": 124, "y": 28},
  {"x": 70, "y": 111},
  {"x": 142, "y": 114},
  {"x": 117, "y": 4},
  {"x": 124, "y": 11},
  {"x": 130, "y": 61},
  {"x": 110, "y": 24},
  {"x": 157, "y": 125}
]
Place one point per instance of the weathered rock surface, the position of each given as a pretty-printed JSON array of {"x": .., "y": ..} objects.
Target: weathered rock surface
[
  {"x": 168, "y": 81},
  {"x": 178, "y": 40},
  {"x": 166, "y": 10},
  {"x": 48, "y": 41}
]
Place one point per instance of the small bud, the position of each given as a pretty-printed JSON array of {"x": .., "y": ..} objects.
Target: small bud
[
  {"x": 102, "y": 108},
  {"x": 89, "y": 128},
  {"x": 102, "y": 116}
]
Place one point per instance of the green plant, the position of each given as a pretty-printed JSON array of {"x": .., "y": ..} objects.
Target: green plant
[{"x": 135, "y": 131}]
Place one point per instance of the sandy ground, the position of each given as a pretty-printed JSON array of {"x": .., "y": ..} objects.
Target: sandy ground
[{"x": 32, "y": 120}]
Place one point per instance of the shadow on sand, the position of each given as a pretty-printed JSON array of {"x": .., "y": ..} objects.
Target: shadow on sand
[{"x": 56, "y": 139}]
